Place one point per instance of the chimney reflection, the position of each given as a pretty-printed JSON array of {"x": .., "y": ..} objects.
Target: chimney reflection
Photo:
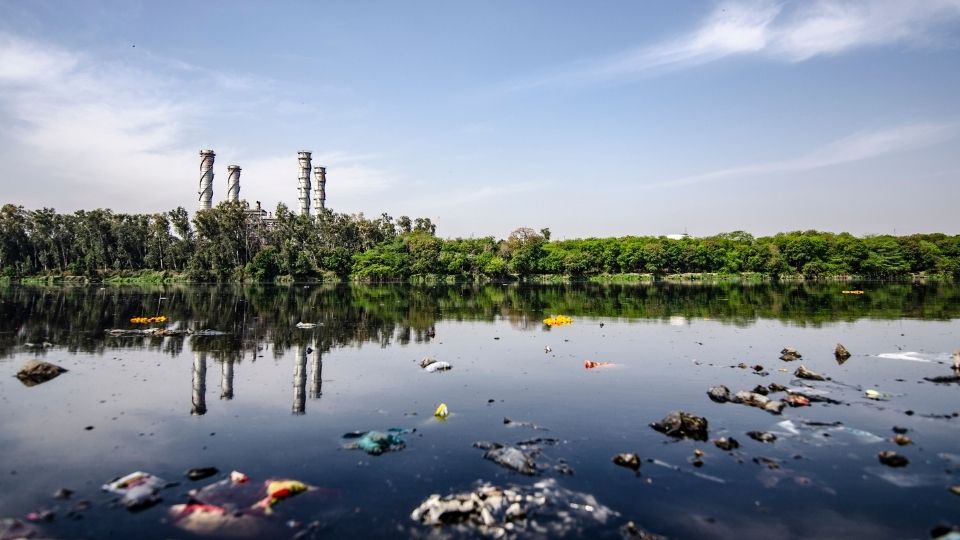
[
  {"x": 226, "y": 379},
  {"x": 316, "y": 369},
  {"x": 199, "y": 384},
  {"x": 300, "y": 381}
]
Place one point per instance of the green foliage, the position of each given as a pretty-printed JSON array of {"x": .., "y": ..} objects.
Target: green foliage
[{"x": 231, "y": 242}]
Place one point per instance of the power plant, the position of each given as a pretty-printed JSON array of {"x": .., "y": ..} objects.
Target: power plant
[{"x": 205, "y": 191}]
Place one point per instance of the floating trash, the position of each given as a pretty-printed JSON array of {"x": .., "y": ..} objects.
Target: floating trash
[
  {"x": 139, "y": 490},
  {"x": 377, "y": 442},
  {"x": 149, "y": 320},
  {"x": 680, "y": 424},
  {"x": 591, "y": 364},
  {"x": 442, "y": 412},
  {"x": 852, "y": 292},
  {"x": 628, "y": 460},
  {"x": 306, "y": 325},
  {"x": 558, "y": 320},
  {"x": 36, "y": 372},
  {"x": 438, "y": 366},
  {"x": 542, "y": 510}
]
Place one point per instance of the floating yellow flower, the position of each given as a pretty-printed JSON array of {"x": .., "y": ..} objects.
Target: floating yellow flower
[{"x": 558, "y": 320}]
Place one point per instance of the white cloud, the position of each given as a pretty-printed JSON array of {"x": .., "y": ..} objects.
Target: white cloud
[
  {"x": 81, "y": 132},
  {"x": 781, "y": 32},
  {"x": 856, "y": 147}
]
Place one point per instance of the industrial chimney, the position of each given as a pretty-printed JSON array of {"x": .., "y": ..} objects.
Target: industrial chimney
[
  {"x": 320, "y": 195},
  {"x": 304, "y": 189},
  {"x": 206, "y": 179},
  {"x": 233, "y": 183}
]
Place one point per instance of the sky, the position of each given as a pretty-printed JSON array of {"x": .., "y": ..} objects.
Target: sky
[{"x": 605, "y": 118}]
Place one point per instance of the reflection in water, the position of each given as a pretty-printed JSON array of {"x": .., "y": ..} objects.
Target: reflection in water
[
  {"x": 199, "y": 384},
  {"x": 257, "y": 318},
  {"x": 226, "y": 379},
  {"x": 300, "y": 381},
  {"x": 316, "y": 367}
]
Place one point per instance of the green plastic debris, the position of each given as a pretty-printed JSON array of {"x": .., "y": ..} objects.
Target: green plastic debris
[{"x": 377, "y": 442}]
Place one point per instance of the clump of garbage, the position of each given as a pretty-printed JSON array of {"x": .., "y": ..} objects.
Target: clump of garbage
[
  {"x": 591, "y": 364},
  {"x": 148, "y": 320},
  {"x": 558, "y": 320},
  {"x": 36, "y": 372},
  {"x": 721, "y": 394},
  {"x": 431, "y": 365},
  {"x": 138, "y": 490},
  {"x": 680, "y": 425},
  {"x": 543, "y": 510},
  {"x": 376, "y": 442},
  {"x": 789, "y": 354},
  {"x": 515, "y": 458}
]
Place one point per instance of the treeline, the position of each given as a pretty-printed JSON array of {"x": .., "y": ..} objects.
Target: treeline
[{"x": 233, "y": 243}]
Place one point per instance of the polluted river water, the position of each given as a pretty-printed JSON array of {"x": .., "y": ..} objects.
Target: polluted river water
[{"x": 313, "y": 411}]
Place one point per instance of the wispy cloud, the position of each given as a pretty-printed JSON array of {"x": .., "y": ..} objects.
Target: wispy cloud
[
  {"x": 82, "y": 132},
  {"x": 779, "y": 31},
  {"x": 856, "y": 147}
]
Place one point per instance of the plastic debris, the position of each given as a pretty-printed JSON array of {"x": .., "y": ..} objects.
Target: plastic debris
[
  {"x": 902, "y": 440},
  {"x": 841, "y": 353},
  {"x": 776, "y": 387},
  {"x": 547, "y": 349},
  {"x": 427, "y": 360},
  {"x": 726, "y": 443},
  {"x": 628, "y": 460},
  {"x": 200, "y": 473},
  {"x": 377, "y": 442},
  {"x": 797, "y": 400},
  {"x": 631, "y": 531},
  {"x": 679, "y": 424},
  {"x": 511, "y": 457},
  {"x": 955, "y": 489},
  {"x": 870, "y": 393},
  {"x": 719, "y": 394},
  {"x": 278, "y": 490},
  {"x": 211, "y": 520},
  {"x": 139, "y": 490},
  {"x": 519, "y": 423},
  {"x": 542, "y": 510},
  {"x": 590, "y": 364},
  {"x": 148, "y": 320},
  {"x": 36, "y": 372},
  {"x": 762, "y": 402},
  {"x": 442, "y": 412},
  {"x": 804, "y": 373},
  {"x": 206, "y": 332},
  {"x": 789, "y": 354},
  {"x": 438, "y": 366},
  {"x": 892, "y": 459},
  {"x": 956, "y": 361},
  {"x": 558, "y": 320},
  {"x": 852, "y": 292},
  {"x": 944, "y": 379},
  {"x": 762, "y": 436},
  {"x": 63, "y": 494},
  {"x": 306, "y": 325},
  {"x": 234, "y": 494},
  {"x": 14, "y": 529}
]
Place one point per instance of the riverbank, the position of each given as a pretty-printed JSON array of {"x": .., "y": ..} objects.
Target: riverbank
[{"x": 152, "y": 277}]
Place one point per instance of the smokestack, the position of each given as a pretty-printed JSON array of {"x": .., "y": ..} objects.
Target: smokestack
[
  {"x": 304, "y": 158},
  {"x": 233, "y": 183},
  {"x": 206, "y": 179},
  {"x": 320, "y": 195}
]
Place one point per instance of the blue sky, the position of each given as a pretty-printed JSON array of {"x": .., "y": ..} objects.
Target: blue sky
[{"x": 593, "y": 119}]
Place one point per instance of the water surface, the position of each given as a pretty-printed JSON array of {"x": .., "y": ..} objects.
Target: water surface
[{"x": 273, "y": 401}]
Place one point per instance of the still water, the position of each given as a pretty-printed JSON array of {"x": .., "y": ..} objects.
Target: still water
[{"x": 273, "y": 401}]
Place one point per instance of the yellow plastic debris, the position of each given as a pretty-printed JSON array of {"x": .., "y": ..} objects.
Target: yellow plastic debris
[
  {"x": 558, "y": 320},
  {"x": 442, "y": 411}
]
